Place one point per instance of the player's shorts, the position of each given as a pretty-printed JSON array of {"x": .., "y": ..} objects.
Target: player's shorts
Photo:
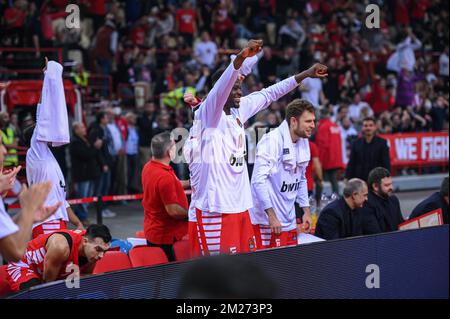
[
  {"x": 194, "y": 243},
  {"x": 49, "y": 227},
  {"x": 266, "y": 239},
  {"x": 225, "y": 233},
  {"x": 20, "y": 275}
]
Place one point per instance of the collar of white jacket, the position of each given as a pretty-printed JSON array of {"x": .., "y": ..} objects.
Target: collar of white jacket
[{"x": 294, "y": 154}]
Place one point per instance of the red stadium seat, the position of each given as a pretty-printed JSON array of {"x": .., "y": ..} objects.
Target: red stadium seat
[
  {"x": 181, "y": 249},
  {"x": 4, "y": 286},
  {"x": 140, "y": 234},
  {"x": 112, "y": 261},
  {"x": 147, "y": 256}
]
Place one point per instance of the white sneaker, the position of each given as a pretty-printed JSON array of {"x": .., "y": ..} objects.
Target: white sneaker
[{"x": 106, "y": 213}]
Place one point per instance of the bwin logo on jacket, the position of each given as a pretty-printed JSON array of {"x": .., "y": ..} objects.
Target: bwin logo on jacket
[{"x": 290, "y": 187}]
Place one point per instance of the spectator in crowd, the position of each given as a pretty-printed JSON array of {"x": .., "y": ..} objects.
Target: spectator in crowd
[
  {"x": 267, "y": 67},
  {"x": 439, "y": 112},
  {"x": 382, "y": 211},
  {"x": 348, "y": 134},
  {"x": 146, "y": 122},
  {"x": 132, "y": 145},
  {"x": 342, "y": 218},
  {"x": 291, "y": 33},
  {"x": 10, "y": 140},
  {"x": 404, "y": 57},
  {"x": 186, "y": 22},
  {"x": 117, "y": 151},
  {"x": 205, "y": 52},
  {"x": 85, "y": 166},
  {"x": 106, "y": 43},
  {"x": 165, "y": 203},
  {"x": 355, "y": 108},
  {"x": 405, "y": 88},
  {"x": 438, "y": 200},
  {"x": 312, "y": 91},
  {"x": 328, "y": 140},
  {"x": 444, "y": 66},
  {"x": 99, "y": 131},
  {"x": 367, "y": 152},
  {"x": 223, "y": 29}
]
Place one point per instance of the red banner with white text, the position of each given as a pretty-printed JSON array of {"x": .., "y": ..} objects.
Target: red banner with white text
[{"x": 415, "y": 149}]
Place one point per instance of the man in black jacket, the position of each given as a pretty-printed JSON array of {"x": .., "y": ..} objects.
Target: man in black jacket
[
  {"x": 435, "y": 201},
  {"x": 98, "y": 130},
  {"x": 342, "y": 218},
  {"x": 85, "y": 166},
  {"x": 382, "y": 212},
  {"x": 367, "y": 152}
]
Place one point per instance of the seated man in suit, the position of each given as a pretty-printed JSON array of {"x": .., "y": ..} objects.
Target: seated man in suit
[
  {"x": 342, "y": 218},
  {"x": 435, "y": 201},
  {"x": 382, "y": 212}
]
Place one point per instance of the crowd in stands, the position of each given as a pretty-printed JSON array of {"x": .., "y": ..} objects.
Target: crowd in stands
[{"x": 156, "y": 51}]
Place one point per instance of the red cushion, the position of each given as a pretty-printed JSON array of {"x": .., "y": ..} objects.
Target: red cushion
[{"x": 112, "y": 261}]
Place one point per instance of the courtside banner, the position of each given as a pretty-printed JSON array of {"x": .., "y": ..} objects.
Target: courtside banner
[{"x": 418, "y": 148}]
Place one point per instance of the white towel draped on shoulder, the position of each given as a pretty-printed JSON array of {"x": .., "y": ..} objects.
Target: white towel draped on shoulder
[
  {"x": 53, "y": 124},
  {"x": 293, "y": 154}
]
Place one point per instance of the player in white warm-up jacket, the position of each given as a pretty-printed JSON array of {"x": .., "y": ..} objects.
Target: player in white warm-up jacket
[
  {"x": 52, "y": 127},
  {"x": 223, "y": 197},
  {"x": 279, "y": 180}
]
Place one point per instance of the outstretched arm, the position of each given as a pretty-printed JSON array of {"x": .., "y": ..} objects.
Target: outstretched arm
[
  {"x": 257, "y": 101},
  {"x": 211, "y": 109}
]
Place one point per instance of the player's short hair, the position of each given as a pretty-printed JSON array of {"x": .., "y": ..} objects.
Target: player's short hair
[
  {"x": 370, "y": 118},
  {"x": 376, "y": 175},
  {"x": 296, "y": 108},
  {"x": 355, "y": 185},
  {"x": 98, "y": 231},
  {"x": 444, "y": 187},
  {"x": 161, "y": 144}
]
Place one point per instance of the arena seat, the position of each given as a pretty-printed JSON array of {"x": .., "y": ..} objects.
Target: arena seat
[
  {"x": 112, "y": 261},
  {"x": 4, "y": 287},
  {"x": 181, "y": 249},
  {"x": 147, "y": 256}
]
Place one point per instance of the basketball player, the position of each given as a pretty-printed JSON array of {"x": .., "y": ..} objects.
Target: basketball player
[
  {"x": 278, "y": 178},
  {"x": 51, "y": 127},
  {"x": 49, "y": 257}
]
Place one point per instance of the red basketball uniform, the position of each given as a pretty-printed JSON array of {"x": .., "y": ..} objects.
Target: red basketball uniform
[
  {"x": 49, "y": 227},
  {"x": 266, "y": 239},
  {"x": 32, "y": 264},
  {"x": 225, "y": 233},
  {"x": 194, "y": 243}
]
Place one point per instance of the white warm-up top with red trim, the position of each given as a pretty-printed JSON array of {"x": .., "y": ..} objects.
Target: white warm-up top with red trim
[
  {"x": 52, "y": 126},
  {"x": 223, "y": 182},
  {"x": 279, "y": 177}
]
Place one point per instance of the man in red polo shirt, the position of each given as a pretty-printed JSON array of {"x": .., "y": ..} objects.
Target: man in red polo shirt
[{"x": 165, "y": 202}]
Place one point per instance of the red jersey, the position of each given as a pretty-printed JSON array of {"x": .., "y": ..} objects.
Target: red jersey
[
  {"x": 186, "y": 20},
  {"x": 309, "y": 170},
  {"x": 162, "y": 187},
  {"x": 35, "y": 253},
  {"x": 328, "y": 140}
]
